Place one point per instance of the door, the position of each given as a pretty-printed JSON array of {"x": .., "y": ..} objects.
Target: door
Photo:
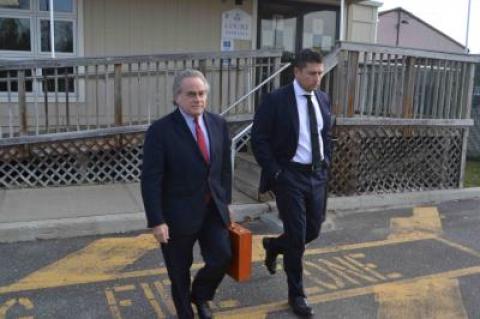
[{"x": 291, "y": 25}]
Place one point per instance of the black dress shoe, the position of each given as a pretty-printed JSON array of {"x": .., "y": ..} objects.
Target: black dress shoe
[
  {"x": 300, "y": 307},
  {"x": 270, "y": 256},
  {"x": 203, "y": 310}
]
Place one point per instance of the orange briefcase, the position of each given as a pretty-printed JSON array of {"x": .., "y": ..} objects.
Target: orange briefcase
[{"x": 241, "y": 267}]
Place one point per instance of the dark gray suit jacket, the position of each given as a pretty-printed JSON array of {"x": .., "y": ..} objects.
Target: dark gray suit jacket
[
  {"x": 276, "y": 129},
  {"x": 175, "y": 178}
]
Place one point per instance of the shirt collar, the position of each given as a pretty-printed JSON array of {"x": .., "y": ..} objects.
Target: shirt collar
[
  {"x": 188, "y": 117},
  {"x": 299, "y": 91}
]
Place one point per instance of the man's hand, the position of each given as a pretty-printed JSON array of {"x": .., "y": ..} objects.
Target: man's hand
[{"x": 160, "y": 233}]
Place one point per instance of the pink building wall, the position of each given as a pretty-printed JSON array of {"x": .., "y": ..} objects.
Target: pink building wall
[{"x": 414, "y": 33}]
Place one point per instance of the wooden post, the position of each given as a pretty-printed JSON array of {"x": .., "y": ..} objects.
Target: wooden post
[
  {"x": 470, "y": 75},
  {"x": 67, "y": 104},
  {"x": 202, "y": 66},
  {"x": 409, "y": 86},
  {"x": 352, "y": 81},
  {"x": 22, "y": 103},
  {"x": 117, "y": 93}
]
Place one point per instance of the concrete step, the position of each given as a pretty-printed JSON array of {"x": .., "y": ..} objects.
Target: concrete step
[
  {"x": 246, "y": 161},
  {"x": 246, "y": 181}
]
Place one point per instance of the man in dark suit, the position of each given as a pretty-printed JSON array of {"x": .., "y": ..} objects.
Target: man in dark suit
[
  {"x": 291, "y": 142},
  {"x": 186, "y": 189}
]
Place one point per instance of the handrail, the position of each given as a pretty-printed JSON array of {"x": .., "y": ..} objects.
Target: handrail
[
  {"x": 86, "y": 61},
  {"x": 234, "y": 147},
  {"x": 74, "y": 135},
  {"x": 357, "y": 46},
  {"x": 255, "y": 89},
  {"x": 330, "y": 61}
]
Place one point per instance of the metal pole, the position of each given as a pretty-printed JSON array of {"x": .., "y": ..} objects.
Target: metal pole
[
  {"x": 398, "y": 28},
  {"x": 52, "y": 30},
  {"x": 468, "y": 25},
  {"x": 342, "y": 27}
]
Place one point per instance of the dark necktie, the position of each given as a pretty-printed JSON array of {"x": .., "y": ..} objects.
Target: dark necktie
[
  {"x": 202, "y": 144},
  {"x": 314, "y": 138}
]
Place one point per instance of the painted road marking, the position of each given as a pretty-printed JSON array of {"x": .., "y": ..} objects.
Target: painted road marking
[
  {"x": 23, "y": 302},
  {"x": 364, "y": 277},
  {"x": 424, "y": 220},
  {"x": 333, "y": 273},
  {"x": 343, "y": 294},
  {"x": 91, "y": 266},
  {"x": 436, "y": 298}
]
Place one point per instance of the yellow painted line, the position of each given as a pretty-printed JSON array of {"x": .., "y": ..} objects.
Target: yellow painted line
[
  {"x": 370, "y": 244},
  {"x": 151, "y": 299},
  {"x": 104, "y": 259},
  {"x": 424, "y": 220},
  {"x": 112, "y": 304},
  {"x": 437, "y": 298},
  {"x": 99, "y": 261},
  {"x": 348, "y": 293},
  {"x": 229, "y": 303},
  {"x": 165, "y": 297},
  {"x": 24, "y": 302},
  {"x": 459, "y": 247}
]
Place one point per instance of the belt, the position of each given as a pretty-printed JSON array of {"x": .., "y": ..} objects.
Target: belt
[{"x": 307, "y": 168}]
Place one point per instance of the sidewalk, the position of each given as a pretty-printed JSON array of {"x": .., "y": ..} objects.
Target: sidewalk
[{"x": 59, "y": 212}]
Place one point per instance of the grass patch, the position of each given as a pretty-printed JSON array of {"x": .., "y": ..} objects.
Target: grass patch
[{"x": 472, "y": 173}]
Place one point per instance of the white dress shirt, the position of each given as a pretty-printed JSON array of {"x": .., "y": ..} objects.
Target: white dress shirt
[{"x": 304, "y": 147}]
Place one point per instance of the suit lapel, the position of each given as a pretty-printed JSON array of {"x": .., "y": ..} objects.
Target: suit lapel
[
  {"x": 323, "y": 110},
  {"x": 185, "y": 132},
  {"x": 291, "y": 102},
  {"x": 211, "y": 132}
]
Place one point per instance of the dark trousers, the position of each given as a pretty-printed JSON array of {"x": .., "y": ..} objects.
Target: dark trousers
[
  {"x": 301, "y": 202},
  {"x": 215, "y": 248}
]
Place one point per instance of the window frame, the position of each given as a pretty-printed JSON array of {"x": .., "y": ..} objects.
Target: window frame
[{"x": 35, "y": 15}]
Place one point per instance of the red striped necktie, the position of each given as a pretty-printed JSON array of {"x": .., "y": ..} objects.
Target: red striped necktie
[{"x": 202, "y": 144}]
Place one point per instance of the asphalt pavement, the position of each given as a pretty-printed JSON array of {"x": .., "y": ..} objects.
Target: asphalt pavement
[{"x": 421, "y": 262}]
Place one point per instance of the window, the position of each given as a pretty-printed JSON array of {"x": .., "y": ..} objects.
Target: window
[
  {"x": 25, "y": 28},
  {"x": 8, "y": 81},
  {"x": 63, "y": 36},
  {"x": 64, "y": 77},
  {"x": 15, "y": 34},
  {"x": 58, "y": 5},
  {"x": 20, "y": 4},
  {"x": 25, "y": 34}
]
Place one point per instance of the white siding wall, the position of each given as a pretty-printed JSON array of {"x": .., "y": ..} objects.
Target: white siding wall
[
  {"x": 362, "y": 22},
  {"x": 123, "y": 27}
]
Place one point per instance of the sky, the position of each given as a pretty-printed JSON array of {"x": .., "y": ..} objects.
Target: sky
[{"x": 448, "y": 16}]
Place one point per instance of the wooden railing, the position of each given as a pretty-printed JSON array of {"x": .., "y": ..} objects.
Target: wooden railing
[
  {"x": 381, "y": 81},
  {"x": 69, "y": 95}
]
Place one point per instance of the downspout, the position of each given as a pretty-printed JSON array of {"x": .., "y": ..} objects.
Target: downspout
[
  {"x": 342, "y": 20},
  {"x": 468, "y": 25},
  {"x": 52, "y": 30},
  {"x": 398, "y": 28}
]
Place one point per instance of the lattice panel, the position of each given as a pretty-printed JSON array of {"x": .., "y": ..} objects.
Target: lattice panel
[
  {"x": 90, "y": 161},
  {"x": 391, "y": 159},
  {"x": 366, "y": 160}
]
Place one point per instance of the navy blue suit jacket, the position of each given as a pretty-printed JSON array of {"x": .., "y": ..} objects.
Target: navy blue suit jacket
[
  {"x": 175, "y": 178},
  {"x": 276, "y": 130}
]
